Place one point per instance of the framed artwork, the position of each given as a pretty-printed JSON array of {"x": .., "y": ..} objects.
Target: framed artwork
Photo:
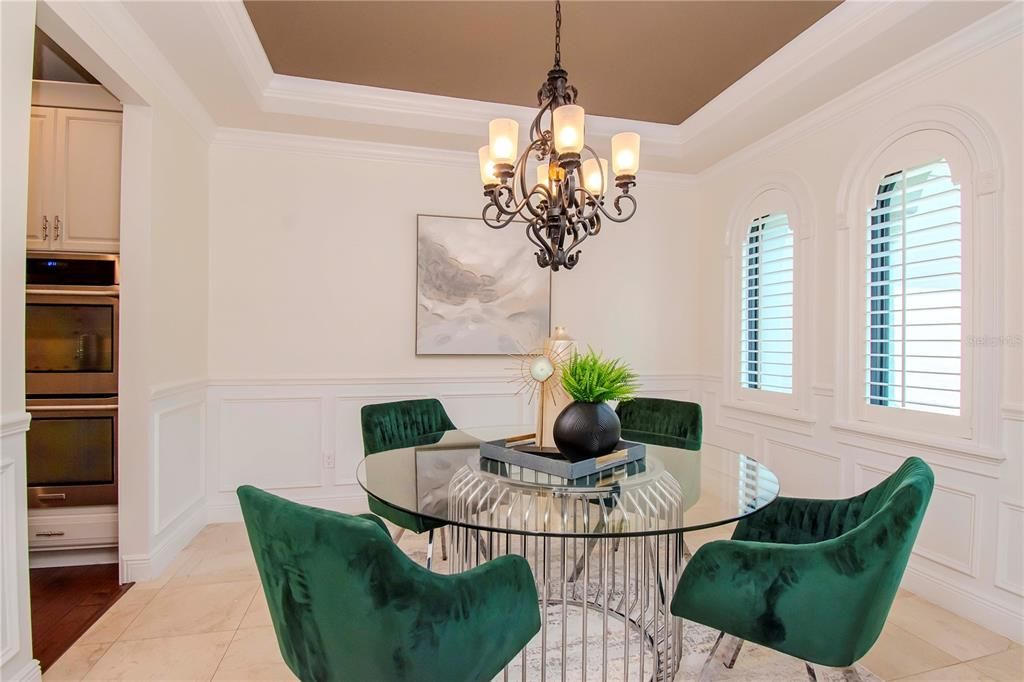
[{"x": 479, "y": 291}]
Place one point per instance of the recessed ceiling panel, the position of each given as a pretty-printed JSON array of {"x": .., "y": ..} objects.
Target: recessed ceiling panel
[{"x": 649, "y": 61}]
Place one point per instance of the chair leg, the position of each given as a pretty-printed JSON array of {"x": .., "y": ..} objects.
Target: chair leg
[
  {"x": 444, "y": 545},
  {"x": 811, "y": 675},
  {"x": 398, "y": 535},
  {"x": 430, "y": 548},
  {"x": 849, "y": 674},
  {"x": 726, "y": 649}
]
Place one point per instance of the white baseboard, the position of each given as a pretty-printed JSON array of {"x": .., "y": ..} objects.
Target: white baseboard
[
  {"x": 230, "y": 512},
  {"x": 72, "y": 557},
  {"x": 989, "y": 614},
  {"x": 30, "y": 672},
  {"x": 136, "y": 567}
]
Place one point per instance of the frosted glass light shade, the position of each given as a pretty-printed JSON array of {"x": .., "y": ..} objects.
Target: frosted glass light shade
[
  {"x": 504, "y": 139},
  {"x": 567, "y": 122},
  {"x": 595, "y": 176},
  {"x": 626, "y": 153},
  {"x": 487, "y": 167}
]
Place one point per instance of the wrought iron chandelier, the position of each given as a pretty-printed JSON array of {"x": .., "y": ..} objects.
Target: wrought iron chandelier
[{"x": 567, "y": 203}]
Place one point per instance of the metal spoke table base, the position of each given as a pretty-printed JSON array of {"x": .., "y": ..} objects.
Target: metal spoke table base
[{"x": 604, "y": 595}]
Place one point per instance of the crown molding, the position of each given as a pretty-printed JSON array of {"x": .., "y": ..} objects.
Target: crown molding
[
  {"x": 232, "y": 23},
  {"x": 984, "y": 34},
  {"x": 363, "y": 150}
]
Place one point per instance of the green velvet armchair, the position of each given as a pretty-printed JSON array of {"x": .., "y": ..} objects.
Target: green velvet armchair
[
  {"x": 347, "y": 604},
  {"x": 659, "y": 421},
  {"x": 810, "y": 578},
  {"x": 403, "y": 424}
]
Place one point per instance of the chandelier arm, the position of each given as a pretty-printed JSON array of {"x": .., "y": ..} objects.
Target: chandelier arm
[
  {"x": 546, "y": 254},
  {"x": 498, "y": 221}
]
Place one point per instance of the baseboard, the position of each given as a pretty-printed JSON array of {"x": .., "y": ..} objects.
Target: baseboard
[
  {"x": 136, "y": 567},
  {"x": 30, "y": 672},
  {"x": 989, "y": 614},
  {"x": 229, "y": 512},
  {"x": 53, "y": 558}
]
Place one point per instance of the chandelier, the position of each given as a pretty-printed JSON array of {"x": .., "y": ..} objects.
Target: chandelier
[{"x": 567, "y": 203}]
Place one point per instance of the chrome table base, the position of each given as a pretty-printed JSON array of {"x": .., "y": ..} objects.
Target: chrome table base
[{"x": 604, "y": 594}]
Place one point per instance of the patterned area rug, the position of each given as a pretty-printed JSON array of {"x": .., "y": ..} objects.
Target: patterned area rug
[{"x": 755, "y": 663}]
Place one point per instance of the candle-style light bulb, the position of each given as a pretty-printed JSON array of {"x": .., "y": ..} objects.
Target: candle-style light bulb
[
  {"x": 567, "y": 122},
  {"x": 487, "y": 167},
  {"x": 626, "y": 153},
  {"x": 504, "y": 140},
  {"x": 595, "y": 176}
]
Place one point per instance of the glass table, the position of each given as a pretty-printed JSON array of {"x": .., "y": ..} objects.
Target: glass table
[{"x": 606, "y": 550}]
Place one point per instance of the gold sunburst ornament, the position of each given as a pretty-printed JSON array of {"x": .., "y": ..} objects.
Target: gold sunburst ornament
[{"x": 540, "y": 373}]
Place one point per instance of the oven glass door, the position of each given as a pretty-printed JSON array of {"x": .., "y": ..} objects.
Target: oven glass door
[
  {"x": 72, "y": 456},
  {"x": 71, "y": 344}
]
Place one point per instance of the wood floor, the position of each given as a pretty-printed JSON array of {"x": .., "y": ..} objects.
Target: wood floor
[{"x": 65, "y": 602}]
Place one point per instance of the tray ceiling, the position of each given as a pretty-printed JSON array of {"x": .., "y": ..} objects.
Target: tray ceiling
[{"x": 647, "y": 61}]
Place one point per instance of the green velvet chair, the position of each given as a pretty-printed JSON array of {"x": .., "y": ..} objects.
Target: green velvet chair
[
  {"x": 810, "y": 578},
  {"x": 403, "y": 424},
  {"x": 659, "y": 421},
  {"x": 347, "y": 604}
]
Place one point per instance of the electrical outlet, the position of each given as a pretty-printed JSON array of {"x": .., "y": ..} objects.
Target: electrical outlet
[{"x": 329, "y": 460}]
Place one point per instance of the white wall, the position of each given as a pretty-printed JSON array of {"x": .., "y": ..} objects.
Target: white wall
[
  {"x": 312, "y": 302},
  {"x": 969, "y": 554}
]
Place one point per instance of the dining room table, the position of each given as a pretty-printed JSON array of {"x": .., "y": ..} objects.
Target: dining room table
[{"x": 606, "y": 550}]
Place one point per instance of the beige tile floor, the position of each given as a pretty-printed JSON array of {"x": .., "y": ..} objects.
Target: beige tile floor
[{"x": 207, "y": 619}]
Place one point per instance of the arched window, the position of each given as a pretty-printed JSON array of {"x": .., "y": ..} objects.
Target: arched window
[
  {"x": 766, "y": 322},
  {"x": 913, "y": 294}
]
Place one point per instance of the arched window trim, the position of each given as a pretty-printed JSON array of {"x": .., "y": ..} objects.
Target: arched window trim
[
  {"x": 772, "y": 193},
  {"x": 923, "y": 135}
]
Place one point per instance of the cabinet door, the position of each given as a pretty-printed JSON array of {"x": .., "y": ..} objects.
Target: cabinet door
[
  {"x": 88, "y": 180},
  {"x": 41, "y": 162}
]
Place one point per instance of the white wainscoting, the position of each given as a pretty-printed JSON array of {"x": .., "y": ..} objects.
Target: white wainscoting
[
  {"x": 302, "y": 439},
  {"x": 968, "y": 555},
  {"x": 177, "y": 480},
  {"x": 16, "y": 661}
]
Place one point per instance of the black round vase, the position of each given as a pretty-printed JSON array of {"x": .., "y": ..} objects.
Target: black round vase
[{"x": 585, "y": 430}]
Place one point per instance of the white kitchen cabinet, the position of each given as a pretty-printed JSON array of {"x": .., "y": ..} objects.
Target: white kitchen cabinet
[{"x": 75, "y": 180}]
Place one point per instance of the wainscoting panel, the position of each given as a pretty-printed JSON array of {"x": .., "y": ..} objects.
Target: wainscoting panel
[
  {"x": 274, "y": 442},
  {"x": 803, "y": 472},
  {"x": 302, "y": 439},
  {"x": 180, "y": 461},
  {"x": 1009, "y": 559}
]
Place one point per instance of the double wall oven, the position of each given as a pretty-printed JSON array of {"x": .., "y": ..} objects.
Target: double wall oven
[{"x": 71, "y": 350}]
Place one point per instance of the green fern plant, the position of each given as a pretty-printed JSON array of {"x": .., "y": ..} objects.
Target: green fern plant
[{"x": 589, "y": 378}]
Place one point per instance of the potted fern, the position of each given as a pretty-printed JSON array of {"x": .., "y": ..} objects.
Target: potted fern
[{"x": 588, "y": 427}]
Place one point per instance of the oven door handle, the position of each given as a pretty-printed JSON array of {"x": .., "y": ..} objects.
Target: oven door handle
[
  {"x": 95, "y": 291},
  {"x": 68, "y": 408}
]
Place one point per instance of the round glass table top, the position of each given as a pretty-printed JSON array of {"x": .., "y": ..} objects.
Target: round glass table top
[{"x": 670, "y": 490}]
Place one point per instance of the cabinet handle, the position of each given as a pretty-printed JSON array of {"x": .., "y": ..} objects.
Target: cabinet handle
[
  {"x": 50, "y": 534},
  {"x": 56, "y": 227},
  {"x": 52, "y": 496},
  {"x": 46, "y": 228}
]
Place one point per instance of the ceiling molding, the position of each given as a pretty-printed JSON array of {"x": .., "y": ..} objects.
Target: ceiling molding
[
  {"x": 984, "y": 34},
  {"x": 363, "y": 150},
  {"x": 121, "y": 29},
  {"x": 232, "y": 23}
]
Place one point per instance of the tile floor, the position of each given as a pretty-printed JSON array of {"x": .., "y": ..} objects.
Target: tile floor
[{"x": 207, "y": 619}]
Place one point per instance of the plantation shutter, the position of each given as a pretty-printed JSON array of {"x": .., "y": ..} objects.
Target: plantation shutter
[
  {"x": 914, "y": 291},
  {"x": 766, "y": 323}
]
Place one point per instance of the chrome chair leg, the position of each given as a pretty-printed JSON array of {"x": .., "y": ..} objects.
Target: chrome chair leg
[
  {"x": 849, "y": 674},
  {"x": 811, "y": 675},
  {"x": 444, "y": 545},
  {"x": 726, "y": 649},
  {"x": 430, "y": 547}
]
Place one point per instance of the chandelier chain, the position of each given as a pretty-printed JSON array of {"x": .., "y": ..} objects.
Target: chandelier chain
[{"x": 558, "y": 33}]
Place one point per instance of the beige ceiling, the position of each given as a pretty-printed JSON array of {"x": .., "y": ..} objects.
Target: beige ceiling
[{"x": 648, "y": 61}]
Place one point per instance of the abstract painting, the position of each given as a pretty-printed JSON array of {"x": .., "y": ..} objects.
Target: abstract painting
[{"x": 478, "y": 291}]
